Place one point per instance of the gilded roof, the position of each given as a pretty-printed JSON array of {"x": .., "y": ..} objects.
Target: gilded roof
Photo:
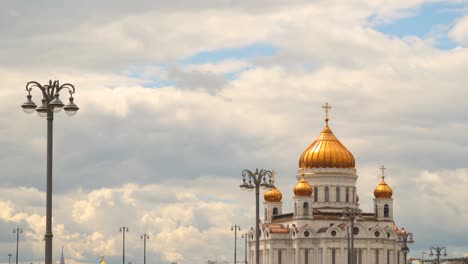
[
  {"x": 273, "y": 195},
  {"x": 303, "y": 188},
  {"x": 326, "y": 152},
  {"x": 383, "y": 190}
]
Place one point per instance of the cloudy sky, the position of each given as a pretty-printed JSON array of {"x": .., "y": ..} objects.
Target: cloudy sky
[{"x": 178, "y": 97}]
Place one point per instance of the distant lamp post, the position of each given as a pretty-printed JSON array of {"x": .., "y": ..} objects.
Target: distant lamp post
[
  {"x": 244, "y": 236},
  {"x": 405, "y": 238},
  {"x": 51, "y": 104},
  {"x": 9, "y": 258},
  {"x": 123, "y": 229},
  {"x": 438, "y": 253},
  {"x": 17, "y": 231},
  {"x": 235, "y": 228},
  {"x": 422, "y": 255},
  {"x": 144, "y": 237},
  {"x": 351, "y": 215},
  {"x": 255, "y": 180}
]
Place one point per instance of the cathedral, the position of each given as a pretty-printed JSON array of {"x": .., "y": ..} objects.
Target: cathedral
[{"x": 317, "y": 232}]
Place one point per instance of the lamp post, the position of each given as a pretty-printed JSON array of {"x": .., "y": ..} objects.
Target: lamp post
[
  {"x": 405, "y": 238},
  {"x": 235, "y": 228},
  {"x": 422, "y": 255},
  {"x": 9, "y": 258},
  {"x": 351, "y": 215},
  {"x": 123, "y": 229},
  {"x": 256, "y": 180},
  {"x": 144, "y": 237},
  {"x": 438, "y": 252},
  {"x": 244, "y": 236},
  {"x": 16, "y": 231},
  {"x": 51, "y": 104}
]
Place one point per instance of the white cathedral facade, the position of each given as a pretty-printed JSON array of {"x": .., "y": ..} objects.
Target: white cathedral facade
[{"x": 314, "y": 232}]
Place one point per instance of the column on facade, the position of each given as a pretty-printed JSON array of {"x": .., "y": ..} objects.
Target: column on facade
[
  {"x": 297, "y": 256},
  {"x": 271, "y": 254}
]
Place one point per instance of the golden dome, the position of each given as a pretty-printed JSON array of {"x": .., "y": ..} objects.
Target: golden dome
[
  {"x": 326, "y": 152},
  {"x": 102, "y": 260},
  {"x": 273, "y": 195},
  {"x": 303, "y": 188},
  {"x": 383, "y": 190}
]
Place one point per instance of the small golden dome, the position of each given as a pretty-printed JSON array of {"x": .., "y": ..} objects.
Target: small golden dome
[
  {"x": 383, "y": 190},
  {"x": 273, "y": 195},
  {"x": 102, "y": 260},
  {"x": 303, "y": 188},
  {"x": 326, "y": 152}
]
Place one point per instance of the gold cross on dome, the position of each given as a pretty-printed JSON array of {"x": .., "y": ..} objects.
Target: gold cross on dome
[
  {"x": 327, "y": 107},
  {"x": 273, "y": 173},
  {"x": 382, "y": 168}
]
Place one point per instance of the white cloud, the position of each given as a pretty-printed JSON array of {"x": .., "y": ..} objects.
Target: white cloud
[{"x": 459, "y": 32}]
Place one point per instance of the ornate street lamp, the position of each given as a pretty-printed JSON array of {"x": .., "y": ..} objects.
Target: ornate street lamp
[
  {"x": 144, "y": 237},
  {"x": 50, "y": 105},
  {"x": 351, "y": 215},
  {"x": 438, "y": 252},
  {"x": 406, "y": 238},
  {"x": 255, "y": 180}
]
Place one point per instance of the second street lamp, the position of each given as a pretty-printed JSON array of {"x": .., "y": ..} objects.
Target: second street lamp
[
  {"x": 405, "y": 238},
  {"x": 235, "y": 228},
  {"x": 51, "y": 104},
  {"x": 17, "y": 231},
  {"x": 438, "y": 253},
  {"x": 144, "y": 237},
  {"x": 255, "y": 180},
  {"x": 244, "y": 236},
  {"x": 123, "y": 229},
  {"x": 351, "y": 215}
]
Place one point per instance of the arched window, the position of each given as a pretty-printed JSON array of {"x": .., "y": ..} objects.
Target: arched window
[
  {"x": 376, "y": 210},
  {"x": 306, "y": 208},
  {"x": 275, "y": 211},
  {"x": 347, "y": 194},
  {"x": 295, "y": 209},
  {"x": 386, "y": 211},
  {"x": 338, "y": 194},
  {"x": 315, "y": 194},
  {"x": 327, "y": 194},
  {"x": 265, "y": 213}
]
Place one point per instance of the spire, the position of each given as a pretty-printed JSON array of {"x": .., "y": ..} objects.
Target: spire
[
  {"x": 382, "y": 168},
  {"x": 327, "y": 107},
  {"x": 62, "y": 259}
]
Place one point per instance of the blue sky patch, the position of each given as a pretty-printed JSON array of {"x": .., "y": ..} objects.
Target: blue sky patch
[
  {"x": 432, "y": 19},
  {"x": 242, "y": 53}
]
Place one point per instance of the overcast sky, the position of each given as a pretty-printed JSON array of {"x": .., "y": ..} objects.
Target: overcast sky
[{"x": 178, "y": 97}]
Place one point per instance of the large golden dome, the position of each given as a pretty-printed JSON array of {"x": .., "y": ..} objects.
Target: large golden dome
[
  {"x": 383, "y": 190},
  {"x": 326, "y": 152},
  {"x": 303, "y": 188},
  {"x": 273, "y": 195}
]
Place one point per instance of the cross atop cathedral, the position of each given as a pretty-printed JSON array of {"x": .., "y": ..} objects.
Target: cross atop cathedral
[
  {"x": 327, "y": 107},
  {"x": 273, "y": 173},
  {"x": 382, "y": 168}
]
